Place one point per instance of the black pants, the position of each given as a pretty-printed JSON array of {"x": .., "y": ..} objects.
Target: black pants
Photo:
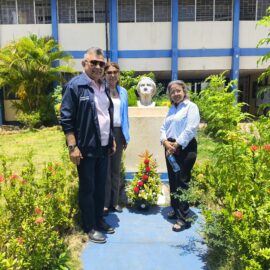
[
  {"x": 186, "y": 159},
  {"x": 92, "y": 177},
  {"x": 114, "y": 169}
]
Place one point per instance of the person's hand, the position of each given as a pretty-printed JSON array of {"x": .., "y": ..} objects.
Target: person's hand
[
  {"x": 75, "y": 156},
  {"x": 169, "y": 146},
  {"x": 113, "y": 149},
  {"x": 175, "y": 146}
]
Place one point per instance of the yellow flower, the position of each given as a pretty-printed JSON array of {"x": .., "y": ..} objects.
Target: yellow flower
[{"x": 57, "y": 107}]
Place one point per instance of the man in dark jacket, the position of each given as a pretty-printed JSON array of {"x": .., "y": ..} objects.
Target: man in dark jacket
[{"x": 86, "y": 119}]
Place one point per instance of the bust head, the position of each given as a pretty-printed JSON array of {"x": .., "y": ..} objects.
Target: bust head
[{"x": 146, "y": 89}]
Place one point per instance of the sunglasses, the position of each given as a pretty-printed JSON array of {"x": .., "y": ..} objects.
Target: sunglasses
[
  {"x": 96, "y": 62},
  {"x": 112, "y": 72}
]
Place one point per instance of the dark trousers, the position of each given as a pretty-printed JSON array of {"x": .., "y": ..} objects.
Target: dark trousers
[
  {"x": 92, "y": 177},
  {"x": 114, "y": 169},
  {"x": 186, "y": 159}
]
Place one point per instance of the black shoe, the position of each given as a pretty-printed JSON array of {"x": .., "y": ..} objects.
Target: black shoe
[
  {"x": 104, "y": 227},
  {"x": 118, "y": 209},
  {"x": 96, "y": 237}
]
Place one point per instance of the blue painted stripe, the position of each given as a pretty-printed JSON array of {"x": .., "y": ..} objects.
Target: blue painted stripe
[
  {"x": 204, "y": 52},
  {"x": 163, "y": 176},
  {"x": 236, "y": 23},
  {"x": 235, "y": 43},
  {"x": 254, "y": 51},
  {"x": 144, "y": 53},
  {"x": 54, "y": 19},
  {"x": 80, "y": 54},
  {"x": 174, "y": 40},
  {"x": 113, "y": 31},
  {"x": 181, "y": 53}
]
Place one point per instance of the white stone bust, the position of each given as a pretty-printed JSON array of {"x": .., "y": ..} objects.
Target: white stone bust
[{"x": 146, "y": 89}]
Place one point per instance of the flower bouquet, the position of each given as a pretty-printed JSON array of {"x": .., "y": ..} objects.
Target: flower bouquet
[{"x": 145, "y": 187}]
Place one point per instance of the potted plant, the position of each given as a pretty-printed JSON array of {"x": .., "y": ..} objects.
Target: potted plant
[{"x": 145, "y": 187}]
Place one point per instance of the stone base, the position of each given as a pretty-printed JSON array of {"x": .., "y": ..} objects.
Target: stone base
[{"x": 145, "y": 124}]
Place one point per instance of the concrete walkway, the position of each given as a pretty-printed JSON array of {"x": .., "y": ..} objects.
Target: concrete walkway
[{"x": 145, "y": 241}]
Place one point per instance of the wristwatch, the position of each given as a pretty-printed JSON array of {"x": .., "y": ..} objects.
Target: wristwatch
[{"x": 71, "y": 147}]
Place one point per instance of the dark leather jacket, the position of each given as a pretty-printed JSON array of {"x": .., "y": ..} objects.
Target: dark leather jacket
[{"x": 79, "y": 115}]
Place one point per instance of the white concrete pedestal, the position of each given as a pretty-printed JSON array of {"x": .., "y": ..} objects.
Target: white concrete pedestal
[{"x": 145, "y": 126}]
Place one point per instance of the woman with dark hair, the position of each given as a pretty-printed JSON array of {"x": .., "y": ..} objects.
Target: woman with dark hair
[
  {"x": 178, "y": 138},
  {"x": 121, "y": 132}
]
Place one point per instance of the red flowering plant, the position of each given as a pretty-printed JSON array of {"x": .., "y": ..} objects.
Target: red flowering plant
[
  {"x": 146, "y": 185},
  {"x": 233, "y": 191},
  {"x": 36, "y": 213}
]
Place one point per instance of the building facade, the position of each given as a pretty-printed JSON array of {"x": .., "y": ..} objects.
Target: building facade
[{"x": 185, "y": 39}]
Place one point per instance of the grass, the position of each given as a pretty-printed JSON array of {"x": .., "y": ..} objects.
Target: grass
[
  {"x": 206, "y": 146},
  {"x": 47, "y": 145}
]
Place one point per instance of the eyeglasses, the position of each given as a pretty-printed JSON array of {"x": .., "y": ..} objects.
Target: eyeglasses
[
  {"x": 95, "y": 63},
  {"x": 112, "y": 72}
]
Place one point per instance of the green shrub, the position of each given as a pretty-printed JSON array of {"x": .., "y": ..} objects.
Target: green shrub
[
  {"x": 234, "y": 192},
  {"x": 218, "y": 106},
  {"x": 36, "y": 215},
  {"x": 132, "y": 98},
  {"x": 47, "y": 111},
  {"x": 27, "y": 69},
  {"x": 57, "y": 95},
  {"x": 31, "y": 120}
]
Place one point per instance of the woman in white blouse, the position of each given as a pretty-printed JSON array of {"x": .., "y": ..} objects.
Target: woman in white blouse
[
  {"x": 121, "y": 132},
  {"x": 178, "y": 134}
]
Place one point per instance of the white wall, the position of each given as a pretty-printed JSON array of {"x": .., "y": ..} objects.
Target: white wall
[
  {"x": 200, "y": 35},
  {"x": 16, "y": 31},
  {"x": 250, "y": 62},
  {"x": 204, "y": 63},
  {"x": 250, "y": 34},
  {"x": 152, "y": 36},
  {"x": 10, "y": 111},
  {"x": 144, "y": 36},
  {"x": 145, "y": 64},
  {"x": 80, "y": 37}
]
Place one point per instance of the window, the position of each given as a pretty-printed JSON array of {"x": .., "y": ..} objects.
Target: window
[
  {"x": 247, "y": 10},
  {"x": 84, "y": 11},
  {"x": 223, "y": 10},
  {"x": 66, "y": 11},
  {"x": 144, "y": 11},
  {"x": 26, "y": 12},
  {"x": 43, "y": 11},
  {"x": 8, "y": 13},
  {"x": 126, "y": 10},
  {"x": 162, "y": 10},
  {"x": 204, "y": 10},
  {"x": 100, "y": 11},
  {"x": 261, "y": 8},
  {"x": 186, "y": 10}
]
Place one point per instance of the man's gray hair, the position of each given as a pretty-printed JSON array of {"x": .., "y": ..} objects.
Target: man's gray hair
[{"x": 94, "y": 50}]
